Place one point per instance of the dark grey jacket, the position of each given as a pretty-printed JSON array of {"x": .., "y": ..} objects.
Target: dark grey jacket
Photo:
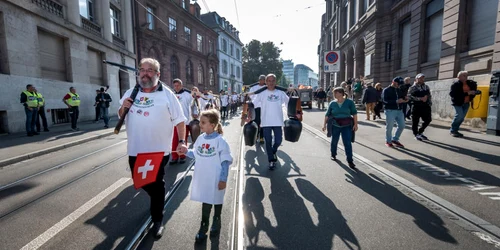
[{"x": 370, "y": 95}]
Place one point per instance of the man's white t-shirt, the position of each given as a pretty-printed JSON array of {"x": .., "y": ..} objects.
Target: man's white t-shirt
[
  {"x": 271, "y": 104},
  {"x": 234, "y": 98},
  {"x": 224, "y": 100},
  {"x": 151, "y": 120},
  {"x": 185, "y": 100},
  {"x": 253, "y": 89}
]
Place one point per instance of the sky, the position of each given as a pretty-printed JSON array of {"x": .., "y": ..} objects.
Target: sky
[{"x": 295, "y": 23}]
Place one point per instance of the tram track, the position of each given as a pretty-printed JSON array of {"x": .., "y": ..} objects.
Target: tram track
[
  {"x": 58, "y": 166},
  {"x": 59, "y": 187}
]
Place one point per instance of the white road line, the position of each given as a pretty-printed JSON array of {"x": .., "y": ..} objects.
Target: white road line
[
  {"x": 54, "y": 230},
  {"x": 480, "y": 225}
]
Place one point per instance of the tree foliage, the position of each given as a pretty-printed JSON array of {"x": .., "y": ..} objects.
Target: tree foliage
[{"x": 260, "y": 59}]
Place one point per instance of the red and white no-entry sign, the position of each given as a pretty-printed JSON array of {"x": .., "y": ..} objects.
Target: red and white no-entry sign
[{"x": 332, "y": 59}]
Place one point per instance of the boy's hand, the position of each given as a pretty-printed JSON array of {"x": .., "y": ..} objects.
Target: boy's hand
[{"x": 222, "y": 185}]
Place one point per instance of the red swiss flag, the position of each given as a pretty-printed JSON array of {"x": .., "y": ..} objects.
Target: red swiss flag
[{"x": 146, "y": 168}]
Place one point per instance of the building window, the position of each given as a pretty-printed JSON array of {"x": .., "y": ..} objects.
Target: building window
[
  {"x": 232, "y": 69},
  {"x": 174, "y": 67},
  {"x": 115, "y": 21},
  {"x": 434, "y": 29},
  {"x": 345, "y": 19},
  {"x": 94, "y": 67},
  {"x": 238, "y": 56},
  {"x": 172, "y": 27},
  {"x": 200, "y": 75},
  {"x": 87, "y": 9},
  {"x": 52, "y": 56},
  {"x": 184, "y": 5},
  {"x": 238, "y": 72},
  {"x": 199, "y": 42},
  {"x": 189, "y": 71},
  {"x": 187, "y": 36},
  {"x": 150, "y": 18},
  {"x": 211, "y": 75},
  {"x": 210, "y": 46},
  {"x": 224, "y": 66},
  {"x": 353, "y": 14},
  {"x": 231, "y": 48},
  {"x": 404, "y": 35},
  {"x": 483, "y": 19},
  {"x": 224, "y": 45}
]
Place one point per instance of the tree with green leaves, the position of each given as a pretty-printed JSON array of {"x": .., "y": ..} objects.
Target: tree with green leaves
[{"x": 261, "y": 59}]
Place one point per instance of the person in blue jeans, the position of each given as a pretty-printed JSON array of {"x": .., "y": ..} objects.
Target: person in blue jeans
[
  {"x": 271, "y": 103},
  {"x": 393, "y": 100},
  {"x": 462, "y": 94},
  {"x": 341, "y": 119}
]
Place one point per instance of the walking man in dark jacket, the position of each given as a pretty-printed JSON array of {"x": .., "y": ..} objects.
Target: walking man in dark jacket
[
  {"x": 321, "y": 95},
  {"x": 404, "y": 90},
  {"x": 103, "y": 99},
  {"x": 370, "y": 100},
  {"x": 393, "y": 100},
  {"x": 420, "y": 94},
  {"x": 462, "y": 93}
]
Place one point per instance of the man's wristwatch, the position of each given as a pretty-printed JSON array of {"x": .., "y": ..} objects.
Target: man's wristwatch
[{"x": 182, "y": 141}]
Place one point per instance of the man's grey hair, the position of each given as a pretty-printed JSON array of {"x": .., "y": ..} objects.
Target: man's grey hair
[
  {"x": 462, "y": 73},
  {"x": 271, "y": 75},
  {"x": 177, "y": 80}
]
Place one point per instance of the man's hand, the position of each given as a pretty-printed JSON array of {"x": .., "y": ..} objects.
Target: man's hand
[
  {"x": 400, "y": 100},
  {"x": 355, "y": 127},
  {"x": 323, "y": 128},
  {"x": 181, "y": 149},
  {"x": 424, "y": 99},
  {"x": 222, "y": 185}
]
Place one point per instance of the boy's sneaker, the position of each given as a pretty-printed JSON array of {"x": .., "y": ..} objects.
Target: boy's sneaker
[
  {"x": 398, "y": 144},
  {"x": 389, "y": 145},
  {"x": 456, "y": 134},
  {"x": 419, "y": 137},
  {"x": 424, "y": 137}
]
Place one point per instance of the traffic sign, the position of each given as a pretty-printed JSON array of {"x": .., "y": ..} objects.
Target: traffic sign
[{"x": 332, "y": 59}]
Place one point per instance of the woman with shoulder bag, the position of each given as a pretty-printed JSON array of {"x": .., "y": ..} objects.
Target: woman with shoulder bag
[{"x": 343, "y": 118}]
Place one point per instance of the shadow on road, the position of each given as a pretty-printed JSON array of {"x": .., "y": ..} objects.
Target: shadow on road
[
  {"x": 480, "y": 156},
  {"x": 424, "y": 218}
]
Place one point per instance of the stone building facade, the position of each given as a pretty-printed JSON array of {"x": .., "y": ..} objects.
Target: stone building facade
[
  {"x": 382, "y": 39},
  {"x": 56, "y": 44},
  {"x": 173, "y": 33},
  {"x": 229, "y": 51}
]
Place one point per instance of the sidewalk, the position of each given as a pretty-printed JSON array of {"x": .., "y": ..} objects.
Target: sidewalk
[{"x": 19, "y": 147}]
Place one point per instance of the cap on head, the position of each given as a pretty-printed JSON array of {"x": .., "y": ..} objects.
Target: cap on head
[
  {"x": 262, "y": 77},
  {"x": 399, "y": 80},
  {"x": 419, "y": 75},
  {"x": 102, "y": 89}
]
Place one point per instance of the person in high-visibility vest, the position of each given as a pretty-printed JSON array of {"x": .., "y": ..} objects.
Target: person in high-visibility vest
[
  {"x": 72, "y": 100},
  {"x": 30, "y": 103},
  {"x": 41, "y": 112}
]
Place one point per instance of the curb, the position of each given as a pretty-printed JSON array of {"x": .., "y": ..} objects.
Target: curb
[{"x": 31, "y": 155}]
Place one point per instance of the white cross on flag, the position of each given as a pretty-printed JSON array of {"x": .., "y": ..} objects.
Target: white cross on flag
[{"x": 146, "y": 168}]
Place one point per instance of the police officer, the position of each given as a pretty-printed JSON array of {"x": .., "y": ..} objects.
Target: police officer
[
  {"x": 30, "y": 103},
  {"x": 41, "y": 112},
  {"x": 72, "y": 100}
]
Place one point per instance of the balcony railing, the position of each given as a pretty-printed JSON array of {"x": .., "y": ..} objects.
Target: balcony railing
[
  {"x": 118, "y": 41},
  {"x": 50, "y": 6},
  {"x": 90, "y": 26}
]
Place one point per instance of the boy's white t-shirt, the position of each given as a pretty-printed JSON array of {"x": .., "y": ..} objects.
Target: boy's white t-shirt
[
  {"x": 224, "y": 100},
  {"x": 185, "y": 99},
  {"x": 151, "y": 120},
  {"x": 271, "y": 104}
]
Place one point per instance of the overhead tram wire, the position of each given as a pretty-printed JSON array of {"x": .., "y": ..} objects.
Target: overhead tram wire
[
  {"x": 206, "y": 5},
  {"x": 237, "y": 14},
  {"x": 302, "y": 9}
]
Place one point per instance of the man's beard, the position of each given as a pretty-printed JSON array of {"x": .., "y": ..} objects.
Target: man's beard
[{"x": 148, "y": 82}]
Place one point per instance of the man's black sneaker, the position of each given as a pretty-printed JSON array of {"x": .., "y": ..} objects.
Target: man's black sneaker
[
  {"x": 36, "y": 133},
  {"x": 272, "y": 165},
  {"x": 46, "y": 130},
  {"x": 456, "y": 134},
  {"x": 333, "y": 158},
  {"x": 424, "y": 137},
  {"x": 30, "y": 134},
  {"x": 157, "y": 230},
  {"x": 352, "y": 165}
]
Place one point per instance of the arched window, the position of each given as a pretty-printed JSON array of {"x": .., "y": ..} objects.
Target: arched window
[
  {"x": 211, "y": 75},
  {"x": 174, "y": 67},
  {"x": 189, "y": 71},
  {"x": 200, "y": 75}
]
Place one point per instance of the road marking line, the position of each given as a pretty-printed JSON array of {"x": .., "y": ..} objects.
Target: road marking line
[
  {"x": 479, "y": 224},
  {"x": 58, "y": 227}
]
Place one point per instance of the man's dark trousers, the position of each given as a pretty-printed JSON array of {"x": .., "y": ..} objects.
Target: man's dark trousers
[
  {"x": 257, "y": 120},
  {"x": 74, "y": 112},
  {"x": 31, "y": 116},
  {"x": 420, "y": 111},
  {"x": 271, "y": 149},
  {"x": 41, "y": 112},
  {"x": 155, "y": 190}
]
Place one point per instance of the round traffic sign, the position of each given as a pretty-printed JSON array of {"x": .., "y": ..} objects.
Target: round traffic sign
[{"x": 332, "y": 57}]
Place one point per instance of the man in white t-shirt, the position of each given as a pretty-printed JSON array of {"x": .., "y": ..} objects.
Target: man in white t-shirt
[
  {"x": 185, "y": 99},
  {"x": 224, "y": 102},
  {"x": 234, "y": 103},
  {"x": 150, "y": 124},
  {"x": 271, "y": 103},
  {"x": 262, "y": 83}
]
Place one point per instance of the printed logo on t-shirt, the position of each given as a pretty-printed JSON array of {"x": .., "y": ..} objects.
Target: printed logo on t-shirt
[
  {"x": 205, "y": 150},
  {"x": 179, "y": 97},
  {"x": 144, "y": 102},
  {"x": 146, "y": 114},
  {"x": 273, "y": 98},
  {"x": 139, "y": 112}
]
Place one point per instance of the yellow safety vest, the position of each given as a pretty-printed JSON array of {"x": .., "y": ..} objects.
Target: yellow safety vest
[
  {"x": 41, "y": 101},
  {"x": 74, "y": 100},
  {"x": 32, "y": 101}
]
